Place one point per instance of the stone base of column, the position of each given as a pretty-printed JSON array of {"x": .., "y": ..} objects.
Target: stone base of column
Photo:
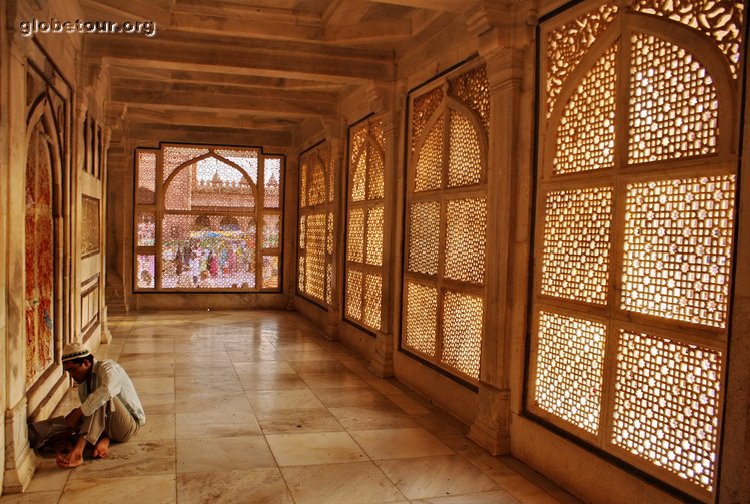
[
  {"x": 106, "y": 337},
  {"x": 381, "y": 363},
  {"x": 490, "y": 429},
  {"x": 20, "y": 459}
]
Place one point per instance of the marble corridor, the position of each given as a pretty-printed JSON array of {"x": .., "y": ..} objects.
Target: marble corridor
[{"x": 256, "y": 407}]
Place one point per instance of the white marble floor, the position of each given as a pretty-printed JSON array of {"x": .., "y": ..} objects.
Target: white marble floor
[{"x": 256, "y": 407}]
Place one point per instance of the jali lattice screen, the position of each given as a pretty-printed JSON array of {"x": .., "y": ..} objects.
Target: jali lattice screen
[
  {"x": 446, "y": 225},
  {"x": 365, "y": 224},
  {"x": 316, "y": 230},
  {"x": 635, "y": 217},
  {"x": 207, "y": 218}
]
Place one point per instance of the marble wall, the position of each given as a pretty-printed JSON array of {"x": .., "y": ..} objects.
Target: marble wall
[{"x": 50, "y": 244}]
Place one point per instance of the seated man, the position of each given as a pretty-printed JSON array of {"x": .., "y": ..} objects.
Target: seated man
[{"x": 110, "y": 408}]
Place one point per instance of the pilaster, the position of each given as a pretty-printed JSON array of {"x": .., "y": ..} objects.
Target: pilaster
[
  {"x": 335, "y": 133},
  {"x": 504, "y": 39},
  {"x": 382, "y": 99}
]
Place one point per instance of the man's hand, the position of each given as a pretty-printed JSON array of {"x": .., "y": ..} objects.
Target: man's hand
[{"x": 73, "y": 419}]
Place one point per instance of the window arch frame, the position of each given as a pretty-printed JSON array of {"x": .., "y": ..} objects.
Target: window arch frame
[
  {"x": 449, "y": 103},
  {"x": 255, "y": 213}
]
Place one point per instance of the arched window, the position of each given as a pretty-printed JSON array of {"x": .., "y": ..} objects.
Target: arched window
[
  {"x": 365, "y": 225},
  {"x": 634, "y": 231},
  {"x": 315, "y": 234},
  {"x": 446, "y": 222},
  {"x": 198, "y": 218}
]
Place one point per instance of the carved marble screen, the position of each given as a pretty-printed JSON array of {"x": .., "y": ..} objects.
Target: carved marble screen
[
  {"x": 207, "y": 218},
  {"x": 89, "y": 226},
  {"x": 634, "y": 231},
  {"x": 316, "y": 227},
  {"x": 365, "y": 228},
  {"x": 446, "y": 222}
]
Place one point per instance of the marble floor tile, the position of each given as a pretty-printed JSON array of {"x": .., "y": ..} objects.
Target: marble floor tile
[
  {"x": 223, "y": 454},
  {"x": 158, "y": 427},
  {"x": 354, "y": 483},
  {"x": 399, "y": 443},
  {"x": 499, "y": 497},
  {"x": 153, "y": 385},
  {"x": 216, "y": 425},
  {"x": 322, "y": 366},
  {"x": 228, "y": 384},
  {"x": 155, "y": 358},
  {"x": 268, "y": 368},
  {"x": 314, "y": 448},
  {"x": 204, "y": 346},
  {"x": 419, "y": 478},
  {"x": 132, "y": 458},
  {"x": 32, "y": 498},
  {"x": 338, "y": 397},
  {"x": 48, "y": 477},
  {"x": 154, "y": 404},
  {"x": 145, "y": 346},
  {"x": 157, "y": 489},
  {"x": 442, "y": 425},
  {"x": 147, "y": 369},
  {"x": 409, "y": 405},
  {"x": 263, "y": 354},
  {"x": 274, "y": 400},
  {"x": 388, "y": 386},
  {"x": 298, "y": 421},
  {"x": 256, "y": 486},
  {"x": 304, "y": 355},
  {"x": 339, "y": 379},
  {"x": 209, "y": 402},
  {"x": 201, "y": 360},
  {"x": 282, "y": 382},
  {"x": 372, "y": 417}
]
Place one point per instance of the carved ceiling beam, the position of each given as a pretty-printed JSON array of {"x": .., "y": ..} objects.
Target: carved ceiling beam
[
  {"x": 233, "y": 79},
  {"x": 457, "y": 6},
  {"x": 247, "y": 27},
  {"x": 212, "y": 119},
  {"x": 295, "y": 61},
  {"x": 132, "y": 10},
  {"x": 370, "y": 32},
  {"x": 210, "y": 102},
  {"x": 345, "y": 12}
]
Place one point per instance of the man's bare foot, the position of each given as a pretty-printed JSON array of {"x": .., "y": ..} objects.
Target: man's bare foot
[
  {"x": 72, "y": 458},
  {"x": 101, "y": 449}
]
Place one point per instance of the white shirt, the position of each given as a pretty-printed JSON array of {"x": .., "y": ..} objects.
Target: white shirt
[{"x": 109, "y": 380}]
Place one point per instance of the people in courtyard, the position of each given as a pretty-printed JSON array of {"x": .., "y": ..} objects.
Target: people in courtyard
[{"x": 110, "y": 408}]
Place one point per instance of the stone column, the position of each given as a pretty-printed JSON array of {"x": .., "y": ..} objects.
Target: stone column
[
  {"x": 504, "y": 39},
  {"x": 4, "y": 177},
  {"x": 106, "y": 336},
  {"x": 335, "y": 131},
  {"x": 117, "y": 159},
  {"x": 291, "y": 226},
  {"x": 734, "y": 482},
  {"x": 385, "y": 102}
]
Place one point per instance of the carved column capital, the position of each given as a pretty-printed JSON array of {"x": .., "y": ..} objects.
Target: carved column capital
[{"x": 503, "y": 23}]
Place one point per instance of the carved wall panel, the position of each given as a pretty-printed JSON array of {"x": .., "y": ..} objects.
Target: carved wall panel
[{"x": 90, "y": 226}]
